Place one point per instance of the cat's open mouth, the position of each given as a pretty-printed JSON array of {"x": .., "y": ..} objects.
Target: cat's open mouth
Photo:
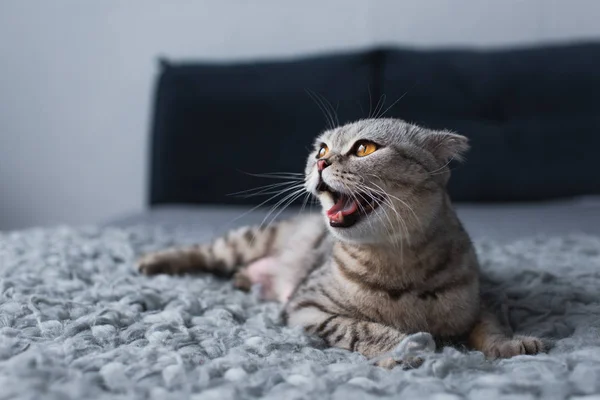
[{"x": 348, "y": 209}]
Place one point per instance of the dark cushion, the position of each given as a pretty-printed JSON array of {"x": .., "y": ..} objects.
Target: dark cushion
[
  {"x": 213, "y": 122},
  {"x": 533, "y": 116}
]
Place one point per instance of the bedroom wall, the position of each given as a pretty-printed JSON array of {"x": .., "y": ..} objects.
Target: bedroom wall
[{"x": 76, "y": 77}]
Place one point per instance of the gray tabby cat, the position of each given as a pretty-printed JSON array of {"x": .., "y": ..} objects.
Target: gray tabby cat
[{"x": 387, "y": 258}]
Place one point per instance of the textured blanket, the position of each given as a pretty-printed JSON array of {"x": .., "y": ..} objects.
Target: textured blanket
[{"x": 78, "y": 322}]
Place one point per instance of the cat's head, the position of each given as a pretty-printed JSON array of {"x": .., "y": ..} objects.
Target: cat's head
[{"x": 381, "y": 179}]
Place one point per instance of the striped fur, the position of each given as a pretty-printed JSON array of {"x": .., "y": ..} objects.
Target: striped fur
[
  {"x": 221, "y": 257},
  {"x": 407, "y": 266}
]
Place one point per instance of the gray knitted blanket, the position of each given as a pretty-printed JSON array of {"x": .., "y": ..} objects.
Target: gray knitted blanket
[{"x": 77, "y": 322}]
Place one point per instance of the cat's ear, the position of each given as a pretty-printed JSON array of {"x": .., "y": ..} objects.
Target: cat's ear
[{"x": 446, "y": 145}]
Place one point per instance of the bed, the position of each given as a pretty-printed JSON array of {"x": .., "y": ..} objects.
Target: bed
[{"x": 78, "y": 321}]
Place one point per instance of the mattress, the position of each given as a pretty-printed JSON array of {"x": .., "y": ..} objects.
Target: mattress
[
  {"x": 179, "y": 336},
  {"x": 77, "y": 322},
  {"x": 500, "y": 222}
]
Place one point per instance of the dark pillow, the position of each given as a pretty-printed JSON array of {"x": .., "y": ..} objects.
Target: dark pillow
[
  {"x": 533, "y": 116},
  {"x": 213, "y": 121}
]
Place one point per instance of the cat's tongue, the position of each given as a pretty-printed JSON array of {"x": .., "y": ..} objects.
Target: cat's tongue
[{"x": 343, "y": 207}]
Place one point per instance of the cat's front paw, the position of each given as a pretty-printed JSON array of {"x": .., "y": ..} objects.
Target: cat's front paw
[
  {"x": 406, "y": 354},
  {"x": 406, "y": 363},
  {"x": 517, "y": 345}
]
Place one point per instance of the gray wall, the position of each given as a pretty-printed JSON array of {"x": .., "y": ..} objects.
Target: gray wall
[{"x": 76, "y": 77}]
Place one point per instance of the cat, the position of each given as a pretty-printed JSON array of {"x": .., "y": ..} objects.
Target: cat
[{"x": 387, "y": 257}]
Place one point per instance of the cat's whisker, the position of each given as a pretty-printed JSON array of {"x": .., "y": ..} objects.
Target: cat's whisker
[
  {"x": 394, "y": 238},
  {"x": 404, "y": 235},
  {"x": 328, "y": 117},
  {"x": 306, "y": 197},
  {"x": 284, "y": 176},
  {"x": 291, "y": 199},
  {"x": 356, "y": 190},
  {"x": 276, "y": 175},
  {"x": 290, "y": 177},
  {"x": 262, "y": 189},
  {"x": 333, "y": 111},
  {"x": 367, "y": 199},
  {"x": 325, "y": 110},
  {"x": 351, "y": 192},
  {"x": 385, "y": 202},
  {"x": 362, "y": 112},
  {"x": 283, "y": 191},
  {"x": 274, "y": 191},
  {"x": 399, "y": 98},
  {"x": 389, "y": 229},
  {"x": 403, "y": 223},
  {"x": 293, "y": 195},
  {"x": 392, "y": 207},
  {"x": 282, "y": 172},
  {"x": 370, "y": 101},
  {"x": 393, "y": 104},
  {"x": 440, "y": 170},
  {"x": 284, "y": 199},
  {"x": 382, "y": 192},
  {"x": 443, "y": 172},
  {"x": 414, "y": 214},
  {"x": 378, "y": 107}
]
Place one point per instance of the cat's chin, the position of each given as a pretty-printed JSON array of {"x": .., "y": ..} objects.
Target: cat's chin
[{"x": 360, "y": 232}]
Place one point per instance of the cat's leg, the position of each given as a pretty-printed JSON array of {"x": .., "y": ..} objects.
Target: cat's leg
[
  {"x": 223, "y": 256},
  {"x": 263, "y": 272},
  {"x": 279, "y": 275},
  {"x": 371, "y": 339},
  {"x": 494, "y": 341}
]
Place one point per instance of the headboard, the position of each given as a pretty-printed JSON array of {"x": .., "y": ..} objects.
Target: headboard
[{"x": 532, "y": 116}]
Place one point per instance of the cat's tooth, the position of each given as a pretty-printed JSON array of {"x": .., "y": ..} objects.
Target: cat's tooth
[{"x": 337, "y": 217}]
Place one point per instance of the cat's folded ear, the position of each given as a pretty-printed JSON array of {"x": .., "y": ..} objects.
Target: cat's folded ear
[{"x": 446, "y": 145}]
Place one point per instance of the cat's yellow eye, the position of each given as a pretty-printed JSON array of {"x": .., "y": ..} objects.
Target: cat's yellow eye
[
  {"x": 365, "y": 148},
  {"x": 323, "y": 151}
]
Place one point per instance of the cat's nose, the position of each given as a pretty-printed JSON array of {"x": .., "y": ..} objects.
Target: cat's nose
[{"x": 322, "y": 164}]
